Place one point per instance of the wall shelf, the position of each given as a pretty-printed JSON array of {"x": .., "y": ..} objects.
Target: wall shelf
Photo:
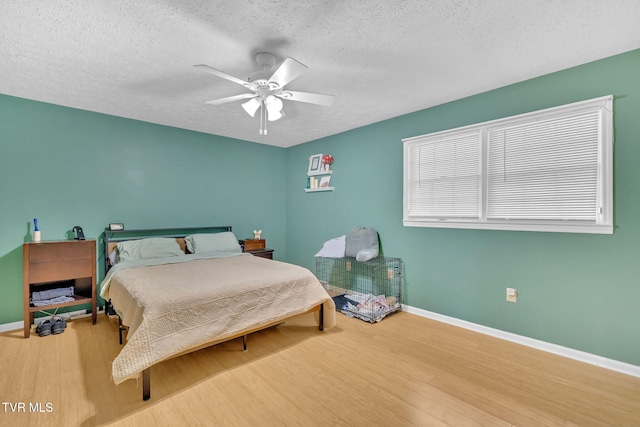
[
  {"x": 325, "y": 172},
  {"x": 319, "y": 178},
  {"x": 313, "y": 190}
]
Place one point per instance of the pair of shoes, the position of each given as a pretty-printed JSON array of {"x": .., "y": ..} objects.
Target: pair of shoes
[
  {"x": 44, "y": 328},
  {"x": 55, "y": 326},
  {"x": 58, "y": 326}
]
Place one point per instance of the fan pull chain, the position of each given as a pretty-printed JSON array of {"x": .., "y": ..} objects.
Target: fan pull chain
[
  {"x": 263, "y": 119},
  {"x": 262, "y": 130}
]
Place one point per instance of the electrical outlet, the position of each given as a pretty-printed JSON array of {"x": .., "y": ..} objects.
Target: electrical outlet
[
  {"x": 389, "y": 274},
  {"x": 348, "y": 266},
  {"x": 512, "y": 294}
]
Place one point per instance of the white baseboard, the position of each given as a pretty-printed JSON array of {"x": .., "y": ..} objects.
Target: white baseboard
[
  {"x": 6, "y": 327},
  {"x": 592, "y": 359}
]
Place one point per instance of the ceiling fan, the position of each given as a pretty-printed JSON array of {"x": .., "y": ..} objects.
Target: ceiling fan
[{"x": 267, "y": 89}]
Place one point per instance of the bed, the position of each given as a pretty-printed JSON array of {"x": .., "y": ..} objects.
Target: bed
[{"x": 177, "y": 291}]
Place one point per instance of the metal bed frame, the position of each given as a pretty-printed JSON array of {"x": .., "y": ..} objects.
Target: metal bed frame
[{"x": 111, "y": 236}]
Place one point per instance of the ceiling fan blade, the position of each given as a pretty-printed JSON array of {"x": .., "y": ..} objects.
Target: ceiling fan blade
[
  {"x": 222, "y": 74},
  {"x": 311, "y": 98},
  {"x": 231, "y": 99},
  {"x": 287, "y": 71}
]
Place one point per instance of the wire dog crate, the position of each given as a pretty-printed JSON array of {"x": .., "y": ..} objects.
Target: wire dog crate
[{"x": 367, "y": 290}]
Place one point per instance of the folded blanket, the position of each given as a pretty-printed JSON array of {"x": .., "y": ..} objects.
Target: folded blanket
[
  {"x": 57, "y": 300},
  {"x": 51, "y": 294}
]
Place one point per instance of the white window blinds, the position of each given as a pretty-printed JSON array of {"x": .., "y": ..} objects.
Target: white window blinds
[
  {"x": 545, "y": 170},
  {"x": 445, "y": 176},
  {"x": 549, "y": 170}
]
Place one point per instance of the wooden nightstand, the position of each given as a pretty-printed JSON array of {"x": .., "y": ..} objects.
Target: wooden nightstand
[
  {"x": 256, "y": 247},
  {"x": 63, "y": 263},
  {"x": 263, "y": 253}
]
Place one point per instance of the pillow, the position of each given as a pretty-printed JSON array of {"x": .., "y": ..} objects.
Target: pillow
[
  {"x": 362, "y": 243},
  {"x": 114, "y": 258},
  {"x": 154, "y": 247},
  {"x": 219, "y": 242},
  {"x": 333, "y": 248}
]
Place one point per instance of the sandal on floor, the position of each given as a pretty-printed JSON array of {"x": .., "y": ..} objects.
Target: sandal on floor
[
  {"x": 58, "y": 325},
  {"x": 44, "y": 328}
]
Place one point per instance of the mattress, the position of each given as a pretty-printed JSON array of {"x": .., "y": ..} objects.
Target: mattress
[{"x": 173, "y": 305}]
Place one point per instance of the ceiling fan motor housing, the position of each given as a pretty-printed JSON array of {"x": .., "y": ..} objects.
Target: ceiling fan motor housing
[
  {"x": 265, "y": 59},
  {"x": 260, "y": 79}
]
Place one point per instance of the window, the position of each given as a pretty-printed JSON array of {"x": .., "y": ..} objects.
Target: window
[{"x": 550, "y": 170}]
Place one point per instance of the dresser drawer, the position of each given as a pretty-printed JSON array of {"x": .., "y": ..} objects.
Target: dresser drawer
[
  {"x": 253, "y": 244},
  {"x": 60, "y": 251},
  {"x": 55, "y": 271}
]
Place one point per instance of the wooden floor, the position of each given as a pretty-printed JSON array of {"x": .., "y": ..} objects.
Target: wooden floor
[{"x": 403, "y": 371}]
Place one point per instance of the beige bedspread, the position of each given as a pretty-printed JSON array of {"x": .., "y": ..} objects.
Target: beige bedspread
[{"x": 172, "y": 308}]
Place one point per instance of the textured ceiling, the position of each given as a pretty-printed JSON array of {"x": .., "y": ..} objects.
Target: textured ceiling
[{"x": 381, "y": 59}]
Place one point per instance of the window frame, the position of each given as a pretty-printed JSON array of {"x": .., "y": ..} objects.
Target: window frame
[{"x": 603, "y": 223}]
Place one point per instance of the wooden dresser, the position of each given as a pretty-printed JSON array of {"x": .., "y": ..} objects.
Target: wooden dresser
[{"x": 63, "y": 263}]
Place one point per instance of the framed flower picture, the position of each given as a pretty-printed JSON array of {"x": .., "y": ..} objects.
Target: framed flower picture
[
  {"x": 315, "y": 163},
  {"x": 325, "y": 181}
]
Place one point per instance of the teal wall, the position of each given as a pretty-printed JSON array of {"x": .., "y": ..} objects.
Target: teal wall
[
  {"x": 71, "y": 167},
  {"x": 577, "y": 290}
]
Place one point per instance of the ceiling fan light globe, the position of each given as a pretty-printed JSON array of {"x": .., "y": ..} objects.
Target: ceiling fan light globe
[
  {"x": 274, "y": 108},
  {"x": 251, "y": 106},
  {"x": 272, "y": 116},
  {"x": 273, "y": 103}
]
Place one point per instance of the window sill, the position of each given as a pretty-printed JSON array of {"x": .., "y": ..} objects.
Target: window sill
[{"x": 511, "y": 226}]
